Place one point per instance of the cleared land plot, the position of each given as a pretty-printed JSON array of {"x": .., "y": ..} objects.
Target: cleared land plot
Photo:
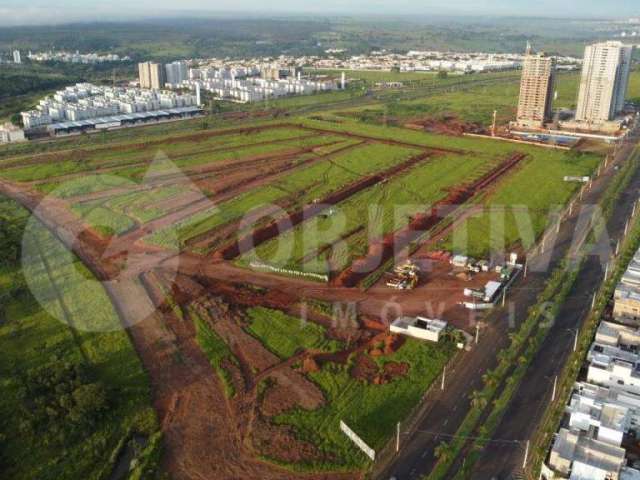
[
  {"x": 144, "y": 182},
  {"x": 331, "y": 242},
  {"x": 350, "y": 391},
  {"x": 370, "y": 410},
  {"x": 132, "y": 160},
  {"x": 299, "y": 187},
  {"x": 517, "y": 212}
]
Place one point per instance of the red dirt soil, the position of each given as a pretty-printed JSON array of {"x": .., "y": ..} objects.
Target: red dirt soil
[
  {"x": 384, "y": 249},
  {"x": 278, "y": 227}
]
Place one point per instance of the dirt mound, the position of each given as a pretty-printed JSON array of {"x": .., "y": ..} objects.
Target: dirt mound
[
  {"x": 276, "y": 400},
  {"x": 310, "y": 365},
  {"x": 394, "y": 369},
  {"x": 439, "y": 256},
  {"x": 446, "y": 125},
  {"x": 238, "y": 381},
  {"x": 279, "y": 443},
  {"x": 365, "y": 368}
]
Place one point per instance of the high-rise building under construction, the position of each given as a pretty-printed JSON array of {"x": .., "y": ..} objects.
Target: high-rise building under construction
[{"x": 536, "y": 90}]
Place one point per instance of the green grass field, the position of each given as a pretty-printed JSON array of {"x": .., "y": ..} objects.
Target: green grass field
[
  {"x": 371, "y": 213},
  {"x": 31, "y": 340},
  {"x": 133, "y": 160},
  {"x": 302, "y": 185},
  {"x": 527, "y": 198},
  {"x": 372, "y": 411},
  {"x": 325, "y": 242},
  {"x": 216, "y": 351},
  {"x": 285, "y": 335},
  {"x": 474, "y": 103}
]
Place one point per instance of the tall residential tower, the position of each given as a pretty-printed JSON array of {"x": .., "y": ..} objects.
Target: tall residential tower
[
  {"x": 536, "y": 90},
  {"x": 605, "y": 78},
  {"x": 151, "y": 75},
  {"x": 177, "y": 72}
]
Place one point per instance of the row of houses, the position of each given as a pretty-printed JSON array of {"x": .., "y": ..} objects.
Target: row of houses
[{"x": 598, "y": 436}]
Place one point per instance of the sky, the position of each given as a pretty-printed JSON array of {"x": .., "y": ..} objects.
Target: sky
[{"x": 22, "y": 12}]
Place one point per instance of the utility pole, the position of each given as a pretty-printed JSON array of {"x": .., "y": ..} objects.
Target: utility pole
[
  {"x": 555, "y": 386},
  {"x": 593, "y": 301},
  {"x": 444, "y": 374},
  {"x": 526, "y": 456},
  {"x": 495, "y": 121},
  {"x": 575, "y": 341},
  {"x": 398, "y": 437},
  {"x": 477, "y": 333}
]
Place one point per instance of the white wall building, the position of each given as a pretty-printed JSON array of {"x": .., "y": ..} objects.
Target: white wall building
[
  {"x": 225, "y": 85},
  {"x": 77, "y": 57},
  {"x": 608, "y": 420},
  {"x": 17, "y": 57},
  {"x": 176, "y": 73},
  {"x": 9, "y": 133},
  {"x": 419, "y": 327},
  {"x": 87, "y": 101},
  {"x": 604, "y": 82},
  {"x": 580, "y": 457},
  {"x": 626, "y": 307}
]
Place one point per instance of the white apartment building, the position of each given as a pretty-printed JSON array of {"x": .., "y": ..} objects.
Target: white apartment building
[
  {"x": 87, "y": 101},
  {"x": 577, "y": 456},
  {"x": 626, "y": 307},
  {"x": 9, "y": 133},
  {"x": 226, "y": 86},
  {"x": 16, "y": 56},
  {"x": 176, "y": 73},
  {"x": 77, "y": 57},
  {"x": 607, "y": 420},
  {"x": 604, "y": 82}
]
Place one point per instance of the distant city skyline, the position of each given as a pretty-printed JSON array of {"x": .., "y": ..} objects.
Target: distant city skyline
[{"x": 15, "y": 12}]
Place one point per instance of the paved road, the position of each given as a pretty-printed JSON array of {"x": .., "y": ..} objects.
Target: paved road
[
  {"x": 528, "y": 406},
  {"x": 450, "y": 407}
]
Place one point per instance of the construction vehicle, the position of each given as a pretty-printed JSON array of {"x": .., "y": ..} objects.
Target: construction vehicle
[
  {"x": 405, "y": 276},
  {"x": 408, "y": 268}
]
